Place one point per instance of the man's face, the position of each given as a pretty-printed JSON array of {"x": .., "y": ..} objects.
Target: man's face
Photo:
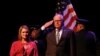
[
  {"x": 34, "y": 33},
  {"x": 79, "y": 27},
  {"x": 58, "y": 21}
]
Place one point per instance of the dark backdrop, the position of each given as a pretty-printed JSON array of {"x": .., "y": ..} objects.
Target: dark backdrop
[{"x": 37, "y": 12}]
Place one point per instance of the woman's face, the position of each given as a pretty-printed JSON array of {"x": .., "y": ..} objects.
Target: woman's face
[{"x": 24, "y": 33}]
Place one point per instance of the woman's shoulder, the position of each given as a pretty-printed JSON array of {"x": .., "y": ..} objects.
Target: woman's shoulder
[
  {"x": 32, "y": 43},
  {"x": 15, "y": 42}
]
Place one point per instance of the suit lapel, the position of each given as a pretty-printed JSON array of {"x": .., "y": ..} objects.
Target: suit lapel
[
  {"x": 63, "y": 36},
  {"x": 54, "y": 37}
]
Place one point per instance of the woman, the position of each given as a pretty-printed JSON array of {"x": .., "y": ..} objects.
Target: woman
[{"x": 23, "y": 47}]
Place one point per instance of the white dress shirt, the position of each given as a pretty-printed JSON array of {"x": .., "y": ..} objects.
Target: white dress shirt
[{"x": 60, "y": 34}]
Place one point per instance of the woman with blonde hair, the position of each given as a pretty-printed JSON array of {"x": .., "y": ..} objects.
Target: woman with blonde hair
[{"x": 23, "y": 46}]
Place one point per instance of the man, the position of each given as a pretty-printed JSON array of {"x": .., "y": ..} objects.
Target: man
[
  {"x": 85, "y": 40},
  {"x": 60, "y": 41},
  {"x": 38, "y": 39},
  {"x": 38, "y": 35},
  {"x": 34, "y": 32}
]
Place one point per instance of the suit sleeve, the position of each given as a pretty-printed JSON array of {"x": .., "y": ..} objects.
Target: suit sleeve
[
  {"x": 91, "y": 43},
  {"x": 72, "y": 44}
]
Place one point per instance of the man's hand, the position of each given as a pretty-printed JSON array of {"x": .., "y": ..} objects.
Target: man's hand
[{"x": 47, "y": 24}]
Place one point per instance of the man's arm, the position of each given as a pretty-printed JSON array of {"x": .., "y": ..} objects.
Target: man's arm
[{"x": 46, "y": 25}]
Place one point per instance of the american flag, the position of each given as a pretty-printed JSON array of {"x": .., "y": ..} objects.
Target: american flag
[{"x": 65, "y": 8}]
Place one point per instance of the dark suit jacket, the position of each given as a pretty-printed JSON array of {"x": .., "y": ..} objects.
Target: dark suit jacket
[
  {"x": 65, "y": 47},
  {"x": 85, "y": 43}
]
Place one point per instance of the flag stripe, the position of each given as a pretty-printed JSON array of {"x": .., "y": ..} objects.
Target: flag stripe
[
  {"x": 65, "y": 8},
  {"x": 70, "y": 10},
  {"x": 69, "y": 17},
  {"x": 73, "y": 25},
  {"x": 71, "y": 21}
]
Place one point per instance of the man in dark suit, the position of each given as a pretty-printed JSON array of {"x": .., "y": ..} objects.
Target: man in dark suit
[
  {"x": 85, "y": 39},
  {"x": 60, "y": 41}
]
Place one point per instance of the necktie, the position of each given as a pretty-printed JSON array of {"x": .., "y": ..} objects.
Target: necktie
[{"x": 57, "y": 35}]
